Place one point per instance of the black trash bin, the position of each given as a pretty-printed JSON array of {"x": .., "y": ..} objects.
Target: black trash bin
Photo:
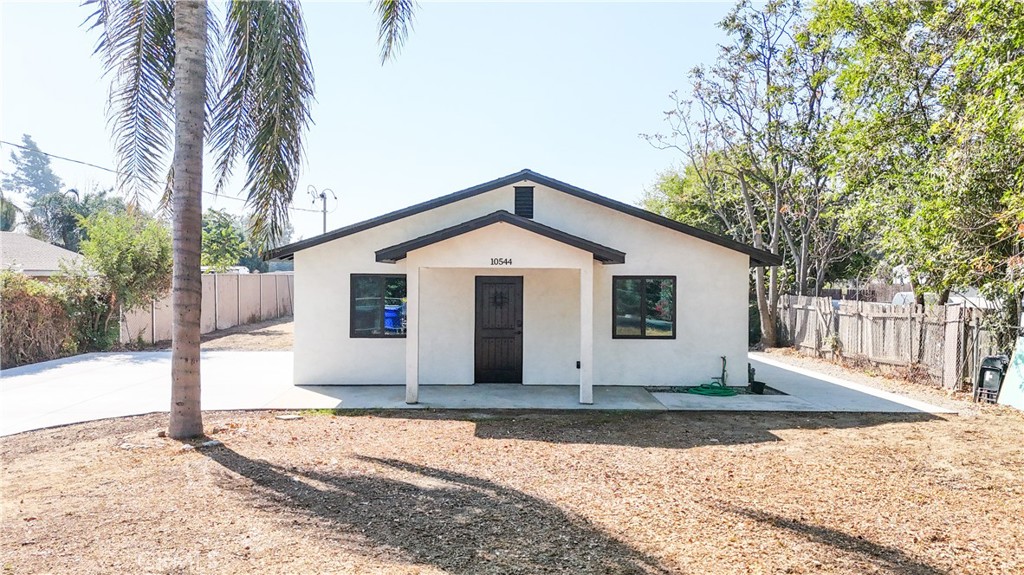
[
  {"x": 754, "y": 386},
  {"x": 990, "y": 378}
]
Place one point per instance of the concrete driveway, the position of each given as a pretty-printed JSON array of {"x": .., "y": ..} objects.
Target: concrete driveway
[{"x": 101, "y": 385}]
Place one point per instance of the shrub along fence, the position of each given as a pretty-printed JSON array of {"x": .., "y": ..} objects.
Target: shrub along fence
[
  {"x": 945, "y": 342},
  {"x": 228, "y": 300},
  {"x": 43, "y": 320},
  {"x": 35, "y": 326}
]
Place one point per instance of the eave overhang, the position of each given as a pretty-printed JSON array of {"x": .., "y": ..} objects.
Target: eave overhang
[{"x": 603, "y": 254}]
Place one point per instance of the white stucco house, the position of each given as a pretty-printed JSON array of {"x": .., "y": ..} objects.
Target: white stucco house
[{"x": 523, "y": 279}]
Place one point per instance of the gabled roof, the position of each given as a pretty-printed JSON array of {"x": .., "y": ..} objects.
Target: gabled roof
[
  {"x": 601, "y": 253},
  {"x": 757, "y": 257},
  {"x": 33, "y": 257}
]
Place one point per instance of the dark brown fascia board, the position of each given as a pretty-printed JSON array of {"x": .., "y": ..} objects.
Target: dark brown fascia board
[
  {"x": 289, "y": 250},
  {"x": 603, "y": 254},
  {"x": 757, "y": 257}
]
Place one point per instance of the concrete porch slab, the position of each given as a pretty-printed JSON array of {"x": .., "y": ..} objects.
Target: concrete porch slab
[
  {"x": 102, "y": 385},
  {"x": 479, "y": 396},
  {"x": 691, "y": 402}
]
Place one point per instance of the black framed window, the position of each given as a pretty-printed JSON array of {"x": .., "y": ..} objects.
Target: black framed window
[
  {"x": 378, "y": 305},
  {"x": 644, "y": 307}
]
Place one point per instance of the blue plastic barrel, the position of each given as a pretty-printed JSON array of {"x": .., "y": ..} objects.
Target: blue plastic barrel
[{"x": 392, "y": 318}]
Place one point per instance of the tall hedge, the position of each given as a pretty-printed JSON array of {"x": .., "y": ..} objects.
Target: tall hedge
[
  {"x": 72, "y": 313},
  {"x": 34, "y": 325}
]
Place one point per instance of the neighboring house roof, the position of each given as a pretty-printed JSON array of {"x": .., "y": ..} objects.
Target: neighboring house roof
[
  {"x": 757, "y": 257},
  {"x": 33, "y": 257},
  {"x": 601, "y": 253}
]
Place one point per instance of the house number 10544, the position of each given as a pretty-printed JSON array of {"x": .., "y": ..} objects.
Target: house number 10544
[{"x": 501, "y": 261}]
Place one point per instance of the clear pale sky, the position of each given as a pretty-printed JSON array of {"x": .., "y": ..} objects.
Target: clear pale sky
[{"x": 480, "y": 90}]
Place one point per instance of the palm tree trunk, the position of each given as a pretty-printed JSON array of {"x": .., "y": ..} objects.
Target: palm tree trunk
[{"x": 189, "y": 122}]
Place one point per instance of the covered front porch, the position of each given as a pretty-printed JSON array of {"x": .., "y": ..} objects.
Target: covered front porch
[{"x": 500, "y": 299}]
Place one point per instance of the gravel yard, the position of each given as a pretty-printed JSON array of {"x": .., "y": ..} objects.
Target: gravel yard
[{"x": 481, "y": 493}]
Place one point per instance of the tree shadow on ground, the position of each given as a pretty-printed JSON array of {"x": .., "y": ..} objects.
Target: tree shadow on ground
[
  {"x": 456, "y": 522},
  {"x": 670, "y": 430},
  {"x": 885, "y": 557}
]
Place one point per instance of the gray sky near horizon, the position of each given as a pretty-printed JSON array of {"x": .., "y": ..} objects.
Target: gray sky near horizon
[{"x": 479, "y": 91}]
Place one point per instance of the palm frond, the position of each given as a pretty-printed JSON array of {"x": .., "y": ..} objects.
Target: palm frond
[
  {"x": 232, "y": 123},
  {"x": 137, "y": 46},
  {"x": 395, "y": 22},
  {"x": 264, "y": 108},
  {"x": 214, "y": 61},
  {"x": 165, "y": 205}
]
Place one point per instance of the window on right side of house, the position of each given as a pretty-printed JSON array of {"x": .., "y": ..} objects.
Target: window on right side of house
[{"x": 644, "y": 307}]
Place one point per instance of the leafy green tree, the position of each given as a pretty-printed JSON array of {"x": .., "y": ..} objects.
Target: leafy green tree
[
  {"x": 713, "y": 204},
  {"x": 90, "y": 305},
  {"x": 252, "y": 256},
  {"x": 754, "y": 135},
  {"x": 223, "y": 242},
  {"x": 56, "y": 217},
  {"x": 166, "y": 75},
  {"x": 133, "y": 251},
  {"x": 931, "y": 140},
  {"x": 8, "y": 215},
  {"x": 252, "y": 260},
  {"x": 32, "y": 174}
]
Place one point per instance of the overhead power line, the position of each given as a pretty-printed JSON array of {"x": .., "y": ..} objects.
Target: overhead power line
[{"x": 113, "y": 171}]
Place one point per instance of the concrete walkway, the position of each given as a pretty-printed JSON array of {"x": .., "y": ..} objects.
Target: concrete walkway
[{"x": 101, "y": 385}]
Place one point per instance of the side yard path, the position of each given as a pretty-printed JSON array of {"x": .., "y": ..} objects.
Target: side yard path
[
  {"x": 959, "y": 402},
  {"x": 271, "y": 335}
]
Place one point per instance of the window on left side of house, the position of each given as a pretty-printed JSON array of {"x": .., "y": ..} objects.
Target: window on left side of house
[{"x": 378, "y": 305}]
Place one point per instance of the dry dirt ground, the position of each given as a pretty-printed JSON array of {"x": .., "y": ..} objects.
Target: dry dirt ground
[
  {"x": 500, "y": 492},
  {"x": 454, "y": 492},
  {"x": 271, "y": 335}
]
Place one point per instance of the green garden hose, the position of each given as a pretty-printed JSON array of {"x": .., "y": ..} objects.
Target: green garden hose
[
  {"x": 717, "y": 389},
  {"x": 712, "y": 389}
]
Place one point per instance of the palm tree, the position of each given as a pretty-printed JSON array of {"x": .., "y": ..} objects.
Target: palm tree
[{"x": 182, "y": 73}]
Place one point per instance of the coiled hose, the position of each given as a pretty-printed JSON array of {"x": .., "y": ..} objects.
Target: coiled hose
[
  {"x": 716, "y": 389},
  {"x": 713, "y": 389}
]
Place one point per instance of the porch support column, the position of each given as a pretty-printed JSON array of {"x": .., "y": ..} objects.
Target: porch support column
[
  {"x": 412, "y": 335},
  {"x": 587, "y": 333}
]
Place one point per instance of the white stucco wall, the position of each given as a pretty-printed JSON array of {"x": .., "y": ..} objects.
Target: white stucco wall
[
  {"x": 551, "y": 325},
  {"x": 551, "y": 296},
  {"x": 324, "y": 353},
  {"x": 711, "y": 298}
]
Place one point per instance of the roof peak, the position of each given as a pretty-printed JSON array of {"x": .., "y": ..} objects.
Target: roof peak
[{"x": 757, "y": 256}]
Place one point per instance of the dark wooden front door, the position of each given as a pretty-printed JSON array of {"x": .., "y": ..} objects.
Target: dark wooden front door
[{"x": 499, "y": 329}]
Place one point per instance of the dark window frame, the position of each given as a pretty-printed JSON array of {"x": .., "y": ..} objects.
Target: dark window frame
[
  {"x": 643, "y": 306},
  {"x": 352, "y": 305}
]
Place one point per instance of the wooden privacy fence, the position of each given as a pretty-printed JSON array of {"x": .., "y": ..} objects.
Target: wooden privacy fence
[
  {"x": 228, "y": 300},
  {"x": 946, "y": 342}
]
